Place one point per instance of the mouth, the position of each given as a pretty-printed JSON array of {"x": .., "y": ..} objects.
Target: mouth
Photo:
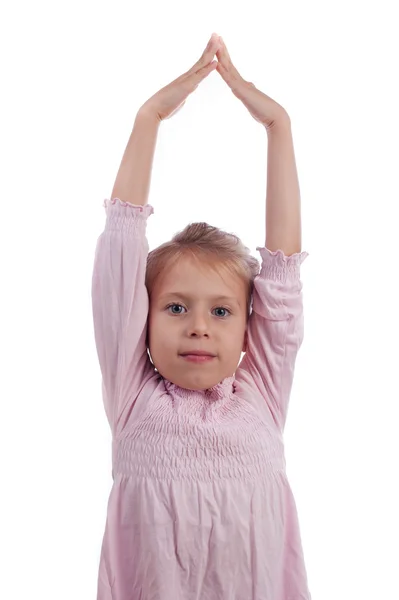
[
  {"x": 197, "y": 353},
  {"x": 198, "y": 358}
]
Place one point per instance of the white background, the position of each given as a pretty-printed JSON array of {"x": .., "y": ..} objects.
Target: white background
[{"x": 73, "y": 77}]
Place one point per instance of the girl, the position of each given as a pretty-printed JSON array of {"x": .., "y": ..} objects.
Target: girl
[{"x": 200, "y": 507}]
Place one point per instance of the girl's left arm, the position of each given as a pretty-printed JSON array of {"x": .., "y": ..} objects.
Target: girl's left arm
[
  {"x": 283, "y": 201},
  {"x": 283, "y": 211}
]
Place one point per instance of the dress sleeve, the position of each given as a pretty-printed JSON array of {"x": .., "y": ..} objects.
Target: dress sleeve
[
  {"x": 120, "y": 307},
  {"x": 275, "y": 331}
]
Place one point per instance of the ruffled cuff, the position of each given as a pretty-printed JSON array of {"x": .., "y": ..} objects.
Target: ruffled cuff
[
  {"x": 279, "y": 267},
  {"x": 116, "y": 204},
  {"x": 126, "y": 216}
]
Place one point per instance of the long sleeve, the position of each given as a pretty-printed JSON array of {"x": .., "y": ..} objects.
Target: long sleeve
[
  {"x": 275, "y": 331},
  {"x": 120, "y": 307}
]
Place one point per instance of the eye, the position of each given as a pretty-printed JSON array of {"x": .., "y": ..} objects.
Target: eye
[
  {"x": 170, "y": 306},
  {"x": 176, "y": 313}
]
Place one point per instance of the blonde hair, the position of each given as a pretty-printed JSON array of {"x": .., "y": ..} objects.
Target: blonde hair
[{"x": 208, "y": 245}]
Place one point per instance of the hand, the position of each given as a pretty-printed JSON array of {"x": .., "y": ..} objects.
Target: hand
[
  {"x": 262, "y": 108},
  {"x": 170, "y": 99}
]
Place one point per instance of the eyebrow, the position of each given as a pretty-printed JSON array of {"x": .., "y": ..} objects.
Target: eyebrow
[{"x": 188, "y": 297}]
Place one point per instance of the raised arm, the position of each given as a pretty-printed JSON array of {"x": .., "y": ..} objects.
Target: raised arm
[
  {"x": 133, "y": 179},
  {"x": 119, "y": 296},
  {"x": 132, "y": 182},
  {"x": 276, "y": 325},
  {"x": 283, "y": 210},
  {"x": 283, "y": 201}
]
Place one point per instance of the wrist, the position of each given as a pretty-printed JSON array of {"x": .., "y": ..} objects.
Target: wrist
[
  {"x": 281, "y": 123},
  {"x": 145, "y": 112}
]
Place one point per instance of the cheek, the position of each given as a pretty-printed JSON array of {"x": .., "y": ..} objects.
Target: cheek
[{"x": 159, "y": 332}]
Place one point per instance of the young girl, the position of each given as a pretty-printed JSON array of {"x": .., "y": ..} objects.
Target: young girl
[{"x": 200, "y": 507}]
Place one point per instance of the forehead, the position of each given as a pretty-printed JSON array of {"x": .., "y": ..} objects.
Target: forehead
[{"x": 189, "y": 278}]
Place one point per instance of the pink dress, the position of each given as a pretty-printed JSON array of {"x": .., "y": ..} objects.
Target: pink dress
[{"x": 200, "y": 507}]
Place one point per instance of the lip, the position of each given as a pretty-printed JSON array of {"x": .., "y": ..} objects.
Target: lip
[
  {"x": 198, "y": 353},
  {"x": 198, "y": 358}
]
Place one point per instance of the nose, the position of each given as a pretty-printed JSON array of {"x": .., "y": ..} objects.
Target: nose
[
  {"x": 198, "y": 325},
  {"x": 198, "y": 333}
]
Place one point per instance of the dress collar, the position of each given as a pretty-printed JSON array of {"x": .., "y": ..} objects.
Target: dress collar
[{"x": 217, "y": 392}]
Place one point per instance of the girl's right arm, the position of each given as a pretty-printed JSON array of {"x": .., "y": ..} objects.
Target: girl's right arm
[
  {"x": 119, "y": 296},
  {"x": 133, "y": 179},
  {"x": 132, "y": 182}
]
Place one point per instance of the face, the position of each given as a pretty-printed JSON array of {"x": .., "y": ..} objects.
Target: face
[{"x": 195, "y": 308}]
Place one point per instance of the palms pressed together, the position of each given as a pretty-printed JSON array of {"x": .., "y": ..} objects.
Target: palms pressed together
[{"x": 170, "y": 99}]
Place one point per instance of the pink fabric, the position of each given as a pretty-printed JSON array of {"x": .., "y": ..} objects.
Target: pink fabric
[{"x": 200, "y": 507}]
